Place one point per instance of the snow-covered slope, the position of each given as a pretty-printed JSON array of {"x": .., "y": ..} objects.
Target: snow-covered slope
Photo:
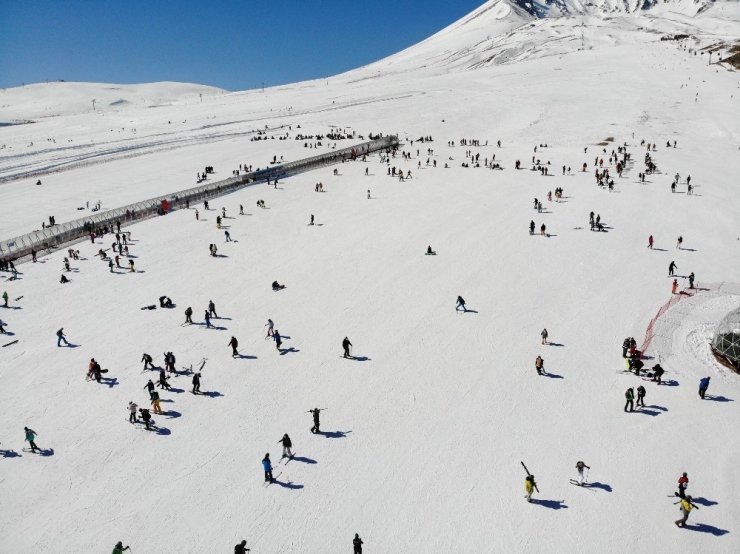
[{"x": 425, "y": 430}]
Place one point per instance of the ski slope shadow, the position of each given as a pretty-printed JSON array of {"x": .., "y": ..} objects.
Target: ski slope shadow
[
  {"x": 334, "y": 434},
  {"x": 9, "y": 454},
  {"x": 552, "y": 504},
  {"x": 303, "y": 459},
  {"x": 288, "y": 484},
  {"x": 211, "y": 393},
  {"x": 703, "y": 501},
  {"x": 597, "y": 485},
  {"x": 718, "y": 398},
  {"x": 161, "y": 430},
  {"x": 359, "y": 358},
  {"x": 246, "y": 357},
  {"x": 171, "y": 414},
  {"x": 704, "y": 528},
  {"x": 552, "y": 375},
  {"x": 656, "y": 410},
  {"x": 284, "y": 351}
]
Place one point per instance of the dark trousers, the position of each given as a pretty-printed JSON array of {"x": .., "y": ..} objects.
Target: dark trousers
[
  {"x": 702, "y": 392},
  {"x": 630, "y": 404},
  {"x": 188, "y": 320},
  {"x": 268, "y": 476},
  {"x": 346, "y": 353},
  {"x": 234, "y": 353},
  {"x": 34, "y": 448},
  {"x": 640, "y": 400}
]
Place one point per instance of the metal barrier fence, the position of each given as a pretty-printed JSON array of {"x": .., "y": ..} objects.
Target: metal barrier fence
[{"x": 58, "y": 235}]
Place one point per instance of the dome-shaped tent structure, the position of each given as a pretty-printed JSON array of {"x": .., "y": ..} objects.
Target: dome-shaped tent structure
[{"x": 726, "y": 340}]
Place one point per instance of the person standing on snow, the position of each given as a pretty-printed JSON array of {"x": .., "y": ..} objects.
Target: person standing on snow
[
  {"x": 147, "y": 359},
  {"x": 150, "y": 388},
  {"x": 154, "y": 396},
  {"x": 163, "y": 384},
  {"x": 543, "y": 334},
  {"x": 315, "y": 412},
  {"x": 679, "y": 242},
  {"x": 357, "y": 544},
  {"x": 270, "y": 328},
  {"x": 630, "y": 396},
  {"x": 196, "y": 383},
  {"x": 539, "y": 365},
  {"x": 233, "y": 343},
  {"x": 650, "y": 242},
  {"x": 287, "y": 445},
  {"x": 529, "y": 486},
  {"x": 531, "y": 227},
  {"x": 277, "y": 338},
  {"x": 146, "y": 417},
  {"x": 132, "y": 412},
  {"x": 683, "y": 482},
  {"x": 641, "y": 396},
  {"x": 267, "y": 467},
  {"x": 674, "y": 286},
  {"x": 691, "y": 280},
  {"x": 671, "y": 267},
  {"x": 346, "y": 344},
  {"x": 241, "y": 548},
  {"x": 703, "y": 386},
  {"x": 119, "y": 548},
  {"x": 579, "y": 467},
  {"x": 30, "y": 438},
  {"x": 685, "y": 507},
  {"x": 60, "y": 337},
  {"x": 208, "y": 320},
  {"x": 188, "y": 315},
  {"x": 212, "y": 309},
  {"x": 460, "y": 304}
]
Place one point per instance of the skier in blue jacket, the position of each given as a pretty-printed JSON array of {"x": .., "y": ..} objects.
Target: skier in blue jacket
[
  {"x": 703, "y": 386},
  {"x": 267, "y": 466}
]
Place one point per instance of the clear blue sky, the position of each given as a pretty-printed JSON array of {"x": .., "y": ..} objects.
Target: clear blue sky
[{"x": 231, "y": 44}]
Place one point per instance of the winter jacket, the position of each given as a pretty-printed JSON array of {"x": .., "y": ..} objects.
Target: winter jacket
[
  {"x": 528, "y": 486},
  {"x": 629, "y": 395},
  {"x": 686, "y": 506},
  {"x": 286, "y": 441},
  {"x": 266, "y": 465},
  {"x": 704, "y": 383}
]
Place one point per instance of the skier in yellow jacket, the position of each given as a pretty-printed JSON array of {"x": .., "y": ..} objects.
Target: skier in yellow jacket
[
  {"x": 529, "y": 486},
  {"x": 686, "y": 507}
]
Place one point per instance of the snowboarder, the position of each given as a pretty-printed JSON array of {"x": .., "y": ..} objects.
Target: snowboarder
[
  {"x": 579, "y": 466},
  {"x": 658, "y": 372},
  {"x": 671, "y": 267},
  {"x": 683, "y": 482},
  {"x": 196, "y": 383},
  {"x": 630, "y": 396},
  {"x": 674, "y": 286},
  {"x": 539, "y": 365},
  {"x": 270, "y": 328},
  {"x": 346, "y": 345},
  {"x": 188, "y": 315},
  {"x": 287, "y": 445},
  {"x": 460, "y": 304},
  {"x": 686, "y": 507},
  {"x": 233, "y": 343},
  {"x": 119, "y": 548},
  {"x": 132, "y": 407},
  {"x": 60, "y": 337},
  {"x": 703, "y": 386},
  {"x": 267, "y": 467},
  {"x": 543, "y": 334},
  {"x": 30, "y": 438},
  {"x": 212, "y": 309},
  {"x": 529, "y": 486},
  {"x": 147, "y": 359},
  {"x": 316, "y": 423},
  {"x": 357, "y": 544},
  {"x": 241, "y": 548},
  {"x": 641, "y": 396}
]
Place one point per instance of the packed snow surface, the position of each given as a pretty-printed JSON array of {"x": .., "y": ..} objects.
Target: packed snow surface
[{"x": 425, "y": 429}]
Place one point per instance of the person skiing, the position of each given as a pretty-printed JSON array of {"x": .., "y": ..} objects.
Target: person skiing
[
  {"x": 672, "y": 267},
  {"x": 346, "y": 345},
  {"x": 146, "y": 417},
  {"x": 277, "y": 338},
  {"x": 691, "y": 280},
  {"x": 460, "y": 304},
  {"x": 703, "y": 386},
  {"x": 147, "y": 359},
  {"x": 641, "y": 396},
  {"x": 685, "y": 507},
  {"x": 357, "y": 544},
  {"x": 683, "y": 482},
  {"x": 579, "y": 466},
  {"x": 241, "y": 548},
  {"x": 287, "y": 445},
  {"x": 30, "y": 438},
  {"x": 196, "y": 383},
  {"x": 227, "y": 236},
  {"x": 267, "y": 467},
  {"x": 60, "y": 337},
  {"x": 119, "y": 548},
  {"x": 233, "y": 343},
  {"x": 674, "y": 286},
  {"x": 650, "y": 242},
  {"x": 208, "y": 320},
  {"x": 163, "y": 384},
  {"x": 529, "y": 485},
  {"x": 132, "y": 407},
  {"x": 270, "y": 328},
  {"x": 630, "y": 396},
  {"x": 543, "y": 334},
  {"x": 539, "y": 365},
  {"x": 316, "y": 423}
]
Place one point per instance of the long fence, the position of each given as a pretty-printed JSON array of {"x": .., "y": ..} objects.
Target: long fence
[{"x": 59, "y": 235}]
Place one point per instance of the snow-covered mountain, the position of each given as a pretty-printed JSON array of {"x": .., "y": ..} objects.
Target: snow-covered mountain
[{"x": 424, "y": 431}]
